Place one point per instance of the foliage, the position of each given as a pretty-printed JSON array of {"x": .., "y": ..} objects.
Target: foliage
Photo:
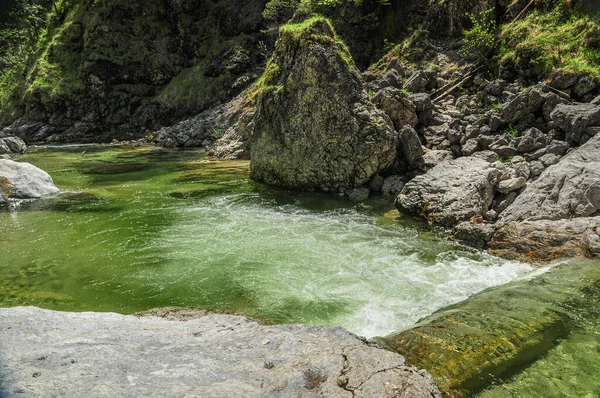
[
  {"x": 554, "y": 36},
  {"x": 480, "y": 39},
  {"x": 280, "y": 11}
]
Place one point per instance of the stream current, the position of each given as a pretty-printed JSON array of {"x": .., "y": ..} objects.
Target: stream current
[{"x": 140, "y": 228}]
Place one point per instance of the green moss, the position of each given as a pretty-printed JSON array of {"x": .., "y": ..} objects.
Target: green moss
[
  {"x": 315, "y": 29},
  {"x": 560, "y": 37}
]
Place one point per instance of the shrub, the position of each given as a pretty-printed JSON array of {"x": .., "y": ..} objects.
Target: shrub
[{"x": 481, "y": 38}]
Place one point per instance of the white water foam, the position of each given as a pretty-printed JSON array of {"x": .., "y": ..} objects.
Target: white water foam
[{"x": 335, "y": 267}]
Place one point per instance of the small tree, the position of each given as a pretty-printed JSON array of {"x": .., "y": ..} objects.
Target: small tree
[{"x": 481, "y": 38}]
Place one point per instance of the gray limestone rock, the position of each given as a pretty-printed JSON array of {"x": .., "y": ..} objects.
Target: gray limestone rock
[
  {"x": 488, "y": 156},
  {"x": 451, "y": 192},
  {"x": 476, "y": 235},
  {"x": 531, "y": 140},
  {"x": 570, "y": 188},
  {"x": 470, "y": 147},
  {"x": 15, "y": 144},
  {"x": 524, "y": 103},
  {"x": 69, "y": 354},
  {"x": 411, "y": 148},
  {"x": 397, "y": 106},
  {"x": 25, "y": 181},
  {"x": 575, "y": 119},
  {"x": 433, "y": 157},
  {"x": 422, "y": 101},
  {"x": 513, "y": 184}
]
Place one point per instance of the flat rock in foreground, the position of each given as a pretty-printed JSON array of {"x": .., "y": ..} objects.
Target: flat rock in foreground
[{"x": 49, "y": 353}]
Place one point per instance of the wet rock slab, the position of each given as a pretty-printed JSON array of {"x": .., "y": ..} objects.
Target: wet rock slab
[{"x": 49, "y": 353}]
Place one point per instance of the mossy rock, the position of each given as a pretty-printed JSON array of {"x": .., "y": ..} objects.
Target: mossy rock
[{"x": 314, "y": 126}]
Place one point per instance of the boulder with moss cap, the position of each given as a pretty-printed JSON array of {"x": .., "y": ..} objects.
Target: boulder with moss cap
[{"x": 314, "y": 127}]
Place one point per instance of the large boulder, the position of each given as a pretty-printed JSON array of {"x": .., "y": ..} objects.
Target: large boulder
[
  {"x": 576, "y": 120},
  {"x": 570, "y": 188},
  {"x": 314, "y": 127},
  {"x": 49, "y": 353},
  {"x": 451, "y": 192},
  {"x": 24, "y": 181}
]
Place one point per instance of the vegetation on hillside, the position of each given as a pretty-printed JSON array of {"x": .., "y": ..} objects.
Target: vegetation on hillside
[{"x": 555, "y": 35}]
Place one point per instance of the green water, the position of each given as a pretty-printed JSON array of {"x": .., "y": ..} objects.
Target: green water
[
  {"x": 571, "y": 367},
  {"x": 140, "y": 228}
]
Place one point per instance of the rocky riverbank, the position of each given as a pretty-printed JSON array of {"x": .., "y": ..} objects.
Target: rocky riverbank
[{"x": 105, "y": 354}]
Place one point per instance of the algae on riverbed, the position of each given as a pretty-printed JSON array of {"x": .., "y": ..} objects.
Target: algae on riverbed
[{"x": 521, "y": 332}]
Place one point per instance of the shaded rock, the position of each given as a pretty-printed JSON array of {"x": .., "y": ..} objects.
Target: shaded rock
[
  {"x": 451, "y": 192},
  {"x": 397, "y": 106},
  {"x": 524, "y": 103},
  {"x": 420, "y": 81},
  {"x": 574, "y": 119},
  {"x": 314, "y": 127},
  {"x": 422, "y": 101},
  {"x": 504, "y": 146},
  {"x": 392, "y": 186},
  {"x": 570, "y": 188},
  {"x": 546, "y": 240},
  {"x": 435, "y": 135},
  {"x": 411, "y": 148},
  {"x": 25, "y": 181},
  {"x": 503, "y": 201},
  {"x": 536, "y": 168},
  {"x": 549, "y": 159},
  {"x": 390, "y": 78},
  {"x": 495, "y": 87},
  {"x": 4, "y": 149},
  {"x": 584, "y": 86},
  {"x": 551, "y": 102},
  {"x": 358, "y": 194},
  {"x": 475, "y": 235},
  {"x": 563, "y": 80},
  {"x": 376, "y": 183},
  {"x": 217, "y": 355},
  {"x": 557, "y": 147},
  {"x": 531, "y": 140}
]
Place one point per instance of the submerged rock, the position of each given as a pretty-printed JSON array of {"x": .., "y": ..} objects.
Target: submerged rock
[
  {"x": 451, "y": 192},
  {"x": 476, "y": 343},
  {"x": 24, "y": 181},
  {"x": 92, "y": 354},
  {"x": 315, "y": 128}
]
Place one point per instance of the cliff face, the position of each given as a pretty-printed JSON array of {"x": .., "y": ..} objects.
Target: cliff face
[{"x": 114, "y": 69}]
